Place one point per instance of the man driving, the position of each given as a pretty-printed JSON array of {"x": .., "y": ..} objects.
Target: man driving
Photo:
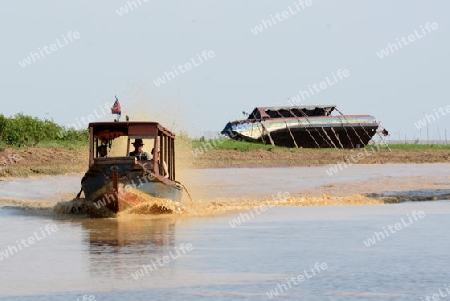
[{"x": 138, "y": 153}]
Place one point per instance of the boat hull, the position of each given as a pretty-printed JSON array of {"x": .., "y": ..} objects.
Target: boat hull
[
  {"x": 347, "y": 131},
  {"x": 121, "y": 184}
]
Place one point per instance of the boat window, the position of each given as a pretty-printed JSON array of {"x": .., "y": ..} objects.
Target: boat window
[
  {"x": 166, "y": 155},
  {"x": 102, "y": 148},
  {"x": 145, "y": 153}
]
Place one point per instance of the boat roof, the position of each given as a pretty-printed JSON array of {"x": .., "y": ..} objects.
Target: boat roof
[
  {"x": 134, "y": 129},
  {"x": 286, "y": 111},
  {"x": 309, "y": 107}
]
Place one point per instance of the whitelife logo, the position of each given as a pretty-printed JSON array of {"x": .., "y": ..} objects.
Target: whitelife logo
[
  {"x": 11, "y": 159},
  {"x": 124, "y": 9},
  {"x": 11, "y": 250},
  {"x": 280, "y": 288},
  {"x": 398, "y": 226},
  {"x": 53, "y": 47},
  {"x": 187, "y": 66},
  {"x": 302, "y": 95},
  {"x": 429, "y": 118},
  {"x": 359, "y": 156},
  {"x": 391, "y": 48},
  {"x": 162, "y": 261},
  {"x": 436, "y": 297},
  {"x": 83, "y": 122},
  {"x": 265, "y": 24},
  {"x": 245, "y": 217}
]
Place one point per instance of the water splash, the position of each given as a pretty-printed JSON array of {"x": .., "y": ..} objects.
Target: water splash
[{"x": 158, "y": 206}]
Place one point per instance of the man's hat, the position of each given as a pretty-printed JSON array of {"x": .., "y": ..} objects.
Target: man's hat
[{"x": 138, "y": 142}]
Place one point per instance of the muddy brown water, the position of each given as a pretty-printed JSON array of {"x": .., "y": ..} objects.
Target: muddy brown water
[{"x": 247, "y": 233}]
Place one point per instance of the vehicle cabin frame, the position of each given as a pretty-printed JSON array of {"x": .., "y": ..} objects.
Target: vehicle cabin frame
[{"x": 164, "y": 140}]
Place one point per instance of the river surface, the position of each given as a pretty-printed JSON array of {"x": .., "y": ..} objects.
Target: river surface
[{"x": 364, "y": 252}]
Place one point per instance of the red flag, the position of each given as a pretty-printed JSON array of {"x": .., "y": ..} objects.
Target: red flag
[{"x": 116, "y": 109}]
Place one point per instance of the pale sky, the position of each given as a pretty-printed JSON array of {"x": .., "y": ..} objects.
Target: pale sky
[{"x": 124, "y": 55}]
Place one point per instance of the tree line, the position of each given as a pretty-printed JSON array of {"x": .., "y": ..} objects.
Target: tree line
[{"x": 22, "y": 130}]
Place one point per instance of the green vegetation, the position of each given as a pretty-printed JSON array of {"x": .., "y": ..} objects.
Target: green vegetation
[
  {"x": 21, "y": 130},
  {"x": 242, "y": 146},
  {"x": 420, "y": 146}
]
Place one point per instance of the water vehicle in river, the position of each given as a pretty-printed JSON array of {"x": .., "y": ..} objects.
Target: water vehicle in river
[
  {"x": 304, "y": 126},
  {"x": 122, "y": 182}
]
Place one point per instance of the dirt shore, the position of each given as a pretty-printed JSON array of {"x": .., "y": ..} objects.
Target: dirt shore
[
  {"x": 310, "y": 157},
  {"x": 52, "y": 161}
]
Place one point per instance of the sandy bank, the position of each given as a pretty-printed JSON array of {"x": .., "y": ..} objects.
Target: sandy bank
[{"x": 54, "y": 161}]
